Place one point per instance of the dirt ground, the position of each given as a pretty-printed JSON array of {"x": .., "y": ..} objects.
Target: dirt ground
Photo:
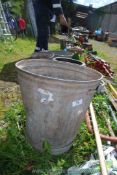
[{"x": 107, "y": 53}]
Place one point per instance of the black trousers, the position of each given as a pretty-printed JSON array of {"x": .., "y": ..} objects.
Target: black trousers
[{"x": 42, "y": 14}]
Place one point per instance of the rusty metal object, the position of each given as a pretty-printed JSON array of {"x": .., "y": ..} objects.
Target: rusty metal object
[
  {"x": 103, "y": 137},
  {"x": 99, "y": 65},
  {"x": 56, "y": 97}
]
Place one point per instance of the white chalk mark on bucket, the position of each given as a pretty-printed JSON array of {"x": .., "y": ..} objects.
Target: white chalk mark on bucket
[
  {"x": 46, "y": 96},
  {"x": 77, "y": 103}
]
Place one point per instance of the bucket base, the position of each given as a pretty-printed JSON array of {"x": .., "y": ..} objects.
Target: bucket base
[{"x": 61, "y": 150}]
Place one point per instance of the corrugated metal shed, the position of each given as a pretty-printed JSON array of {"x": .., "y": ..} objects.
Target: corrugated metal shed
[{"x": 105, "y": 17}]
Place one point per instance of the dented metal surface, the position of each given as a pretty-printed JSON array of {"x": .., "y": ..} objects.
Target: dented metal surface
[{"x": 56, "y": 97}]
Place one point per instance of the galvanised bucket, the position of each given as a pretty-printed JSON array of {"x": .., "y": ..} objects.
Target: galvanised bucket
[
  {"x": 69, "y": 60},
  {"x": 62, "y": 53},
  {"x": 56, "y": 96}
]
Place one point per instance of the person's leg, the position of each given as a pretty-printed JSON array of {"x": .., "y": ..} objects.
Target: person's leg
[
  {"x": 42, "y": 20},
  {"x": 42, "y": 40},
  {"x": 36, "y": 6}
]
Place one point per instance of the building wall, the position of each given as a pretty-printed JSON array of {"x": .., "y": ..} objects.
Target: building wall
[{"x": 105, "y": 17}]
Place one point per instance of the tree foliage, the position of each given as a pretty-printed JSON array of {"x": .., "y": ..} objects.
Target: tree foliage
[{"x": 17, "y": 6}]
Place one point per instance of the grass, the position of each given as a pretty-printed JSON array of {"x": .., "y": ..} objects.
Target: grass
[
  {"x": 107, "y": 53},
  {"x": 111, "y": 61},
  {"x": 17, "y": 157},
  {"x": 19, "y": 49},
  {"x": 11, "y": 52}
]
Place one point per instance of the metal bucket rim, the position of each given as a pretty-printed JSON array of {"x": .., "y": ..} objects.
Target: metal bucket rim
[
  {"x": 68, "y": 58},
  {"x": 62, "y": 53},
  {"x": 57, "y": 79}
]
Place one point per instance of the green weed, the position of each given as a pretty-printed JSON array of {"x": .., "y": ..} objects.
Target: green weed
[
  {"x": 101, "y": 105},
  {"x": 18, "y": 157}
]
